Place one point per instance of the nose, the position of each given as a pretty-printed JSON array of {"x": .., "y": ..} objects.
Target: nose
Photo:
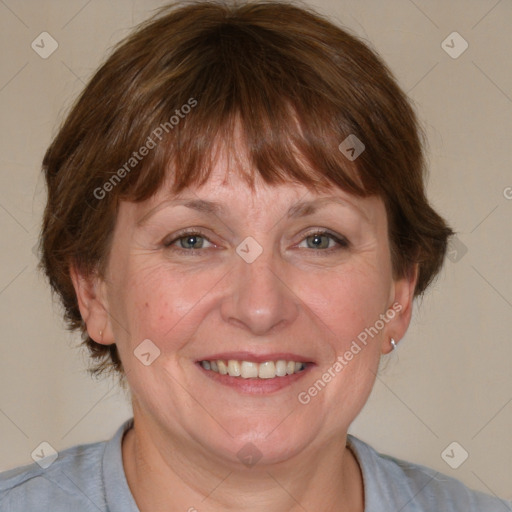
[{"x": 260, "y": 296}]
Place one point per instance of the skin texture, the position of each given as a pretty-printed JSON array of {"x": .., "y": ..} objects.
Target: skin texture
[{"x": 295, "y": 297}]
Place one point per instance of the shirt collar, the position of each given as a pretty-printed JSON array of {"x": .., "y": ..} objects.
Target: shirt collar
[{"x": 117, "y": 492}]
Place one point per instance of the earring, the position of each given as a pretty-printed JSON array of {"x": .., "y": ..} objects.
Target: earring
[
  {"x": 101, "y": 335},
  {"x": 393, "y": 343}
]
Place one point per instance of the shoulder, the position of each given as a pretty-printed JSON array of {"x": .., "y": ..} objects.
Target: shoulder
[
  {"x": 73, "y": 480},
  {"x": 392, "y": 483}
]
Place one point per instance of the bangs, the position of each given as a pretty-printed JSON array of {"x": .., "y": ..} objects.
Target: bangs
[{"x": 248, "y": 95}]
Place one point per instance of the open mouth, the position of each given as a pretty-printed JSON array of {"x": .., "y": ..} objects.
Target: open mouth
[{"x": 253, "y": 370}]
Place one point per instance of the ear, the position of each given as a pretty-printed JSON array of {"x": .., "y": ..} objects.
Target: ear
[
  {"x": 92, "y": 301},
  {"x": 402, "y": 298}
]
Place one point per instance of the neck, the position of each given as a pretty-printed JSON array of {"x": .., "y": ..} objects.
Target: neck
[{"x": 175, "y": 474}]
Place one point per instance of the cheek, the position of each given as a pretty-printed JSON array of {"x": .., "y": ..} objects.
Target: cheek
[
  {"x": 162, "y": 304},
  {"x": 348, "y": 301}
]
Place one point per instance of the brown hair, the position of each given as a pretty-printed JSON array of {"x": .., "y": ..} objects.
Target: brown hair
[{"x": 297, "y": 84}]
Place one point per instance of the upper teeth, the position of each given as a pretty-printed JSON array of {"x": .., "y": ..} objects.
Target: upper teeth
[{"x": 249, "y": 369}]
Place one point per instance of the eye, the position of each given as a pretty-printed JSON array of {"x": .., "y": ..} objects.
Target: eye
[
  {"x": 322, "y": 240},
  {"x": 190, "y": 242},
  {"x": 187, "y": 241}
]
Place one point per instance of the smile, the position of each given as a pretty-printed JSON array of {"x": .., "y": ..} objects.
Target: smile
[{"x": 253, "y": 370}]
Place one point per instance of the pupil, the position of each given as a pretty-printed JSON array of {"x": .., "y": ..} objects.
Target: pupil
[
  {"x": 317, "y": 241},
  {"x": 191, "y": 239}
]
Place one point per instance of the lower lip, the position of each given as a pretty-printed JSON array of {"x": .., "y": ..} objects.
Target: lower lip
[{"x": 255, "y": 386}]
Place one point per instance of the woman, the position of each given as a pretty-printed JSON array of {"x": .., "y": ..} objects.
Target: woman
[{"x": 237, "y": 223}]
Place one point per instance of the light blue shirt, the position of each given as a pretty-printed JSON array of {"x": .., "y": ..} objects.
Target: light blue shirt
[{"x": 91, "y": 478}]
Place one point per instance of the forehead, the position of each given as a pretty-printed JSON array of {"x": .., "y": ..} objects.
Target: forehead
[
  {"x": 227, "y": 195},
  {"x": 233, "y": 174},
  {"x": 232, "y": 177},
  {"x": 233, "y": 185}
]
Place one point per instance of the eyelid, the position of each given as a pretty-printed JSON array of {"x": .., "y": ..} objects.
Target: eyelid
[
  {"x": 171, "y": 239},
  {"x": 341, "y": 240}
]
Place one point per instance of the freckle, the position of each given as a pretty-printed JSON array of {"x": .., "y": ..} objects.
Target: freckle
[{"x": 147, "y": 304}]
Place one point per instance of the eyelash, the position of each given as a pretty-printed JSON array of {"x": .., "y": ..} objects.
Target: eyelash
[{"x": 342, "y": 242}]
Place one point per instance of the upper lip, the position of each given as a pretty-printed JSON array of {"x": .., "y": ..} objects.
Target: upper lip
[{"x": 257, "y": 358}]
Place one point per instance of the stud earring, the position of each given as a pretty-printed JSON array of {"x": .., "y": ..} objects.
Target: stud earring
[{"x": 393, "y": 343}]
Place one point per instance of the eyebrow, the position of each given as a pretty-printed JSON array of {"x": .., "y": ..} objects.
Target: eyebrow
[
  {"x": 305, "y": 208},
  {"x": 298, "y": 210},
  {"x": 200, "y": 205}
]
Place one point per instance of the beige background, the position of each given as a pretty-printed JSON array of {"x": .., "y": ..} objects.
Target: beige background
[{"x": 451, "y": 380}]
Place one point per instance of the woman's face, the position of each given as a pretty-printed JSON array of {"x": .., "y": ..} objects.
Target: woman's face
[{"x": 254, "y": 283}]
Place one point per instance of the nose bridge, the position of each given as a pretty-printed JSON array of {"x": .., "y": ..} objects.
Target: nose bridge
[{"x": 258, "y": 296}]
